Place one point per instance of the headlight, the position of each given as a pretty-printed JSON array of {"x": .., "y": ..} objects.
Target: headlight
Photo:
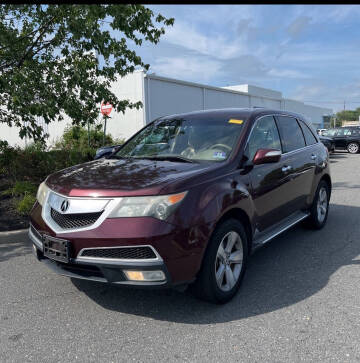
[
  {"x": 41, "y": 193},
  {"x": 160, "y": 206}
]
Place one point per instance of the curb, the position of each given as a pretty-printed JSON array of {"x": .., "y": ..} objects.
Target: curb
[{"x": 7, "y": 233}]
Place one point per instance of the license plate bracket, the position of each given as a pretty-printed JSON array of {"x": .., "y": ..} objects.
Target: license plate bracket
[{"x": 56, "y": 248}]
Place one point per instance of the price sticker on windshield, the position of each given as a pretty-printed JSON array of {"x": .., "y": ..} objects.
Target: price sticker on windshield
[{"x": 234, "y": 121}]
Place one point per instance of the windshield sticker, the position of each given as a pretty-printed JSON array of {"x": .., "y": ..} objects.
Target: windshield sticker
[
  {"x": 234, "y": 121},
  {"x": 219, "y": 155}
]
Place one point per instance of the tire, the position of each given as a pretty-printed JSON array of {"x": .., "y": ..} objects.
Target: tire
[
  {"x": 353, "y": 148},
  {"x": 207, "y": 286},
  {"x": 318, "y": 216}
]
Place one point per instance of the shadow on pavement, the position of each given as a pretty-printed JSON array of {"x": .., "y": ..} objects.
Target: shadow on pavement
[
  {"x": 291, "y": 268},
  {"x": 345, "y": 185},
  {"x": 335, "y": 157},
  {"x": 14, "y": 245}
]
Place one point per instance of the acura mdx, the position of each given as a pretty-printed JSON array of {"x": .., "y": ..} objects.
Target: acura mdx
[{"x": 185, "y": 201}]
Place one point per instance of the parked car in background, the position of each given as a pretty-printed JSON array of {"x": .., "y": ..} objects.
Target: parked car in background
[
  {"x": 328, "y": 142},
  {"x": 105, "y": 151},
  {"x": 320, "y": 131},
  {"x": 345, "y": 138},
  {"x": 186, "y": 200}
]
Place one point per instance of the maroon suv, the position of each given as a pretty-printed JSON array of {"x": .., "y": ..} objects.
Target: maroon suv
[{"x": 184, "y": 201}]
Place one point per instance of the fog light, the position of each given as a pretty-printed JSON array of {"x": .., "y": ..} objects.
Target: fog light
[{"x": 145, "y": 275}]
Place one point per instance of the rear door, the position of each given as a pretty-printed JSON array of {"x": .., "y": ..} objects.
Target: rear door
[
  {"x": 312, "y": 154},
  {"x": 297, "y": 162}
]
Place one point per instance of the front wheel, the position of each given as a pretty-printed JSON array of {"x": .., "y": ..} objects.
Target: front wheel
[
  {"x": 353, "y": 148},
  {"x": 224, "y": 263},
  {"x": 320, "y": 207}
]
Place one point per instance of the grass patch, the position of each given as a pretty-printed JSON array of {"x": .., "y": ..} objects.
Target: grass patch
[
  {"x": 21, "y": 188},
  {"x": 24, "y": 205}
]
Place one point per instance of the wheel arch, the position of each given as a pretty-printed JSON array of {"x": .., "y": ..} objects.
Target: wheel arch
[
  {"x": 241, "y": 216},
  {"x": 327, "y": 179}
]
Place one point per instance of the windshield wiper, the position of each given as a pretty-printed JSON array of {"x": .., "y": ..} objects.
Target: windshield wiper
[{"x": 167, "y": 158}]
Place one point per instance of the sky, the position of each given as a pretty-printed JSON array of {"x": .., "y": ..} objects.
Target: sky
[{"x": 309, "y": 53}]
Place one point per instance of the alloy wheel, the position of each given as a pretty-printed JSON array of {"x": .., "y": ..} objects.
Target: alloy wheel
[
  {"x": 322, "y": 204},
  {"x": 353, "y": 148},
  {"x": 229, "y": 260}
]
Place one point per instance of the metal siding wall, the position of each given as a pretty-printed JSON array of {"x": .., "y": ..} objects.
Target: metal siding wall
[
  {"x": 168, "y": 98},
  {"x": 265, "y": 102},
  {"x": 219, "y": 99}
]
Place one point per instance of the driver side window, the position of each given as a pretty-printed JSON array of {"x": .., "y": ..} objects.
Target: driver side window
[{"x": 264, "y": 135}]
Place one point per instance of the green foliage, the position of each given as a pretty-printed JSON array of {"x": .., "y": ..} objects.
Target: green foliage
[
  {"x": 24, "y": 205},
  {"x": 349, "y": 115},
  {"x": 21, "y": 188},
  {"x": 77, "y": 137},
  {"x": 33, "y": 165},
  {"x": 48, "y": 65}
]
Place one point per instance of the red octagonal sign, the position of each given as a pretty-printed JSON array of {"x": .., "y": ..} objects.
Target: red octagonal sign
[{"x": 106, "y": 108}]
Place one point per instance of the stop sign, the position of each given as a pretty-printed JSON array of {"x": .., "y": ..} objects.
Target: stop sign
[{"x": 106, "y": 108}]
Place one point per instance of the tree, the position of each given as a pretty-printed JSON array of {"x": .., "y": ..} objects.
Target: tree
[
  {"x": 349, "y": 115},
  {"x": 48, "y": 64}
]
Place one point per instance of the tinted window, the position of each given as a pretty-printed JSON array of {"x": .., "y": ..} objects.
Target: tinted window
[
  {"x": 291, "y": 135},
  {"x": 263, "y": 136},
  {"x": 309, "y": 136}
]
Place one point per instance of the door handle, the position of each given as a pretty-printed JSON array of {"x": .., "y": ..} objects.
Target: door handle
[
  {"x": 313, "y": 156},
  {"x": 284, "y": 169}
]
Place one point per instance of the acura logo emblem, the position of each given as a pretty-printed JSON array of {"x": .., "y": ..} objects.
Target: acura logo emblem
[{"x": 64, "y": 205}]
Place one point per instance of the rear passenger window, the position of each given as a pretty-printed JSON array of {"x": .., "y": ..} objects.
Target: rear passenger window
[
  {"x": 309, "y": 136},
  {"x": 291, "y": 135}
]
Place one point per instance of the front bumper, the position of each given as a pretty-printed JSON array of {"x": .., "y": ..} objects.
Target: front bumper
[{"x": 101, "y": 270}]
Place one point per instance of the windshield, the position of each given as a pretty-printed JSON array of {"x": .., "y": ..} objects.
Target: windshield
[{"x": 183, "y": 139}]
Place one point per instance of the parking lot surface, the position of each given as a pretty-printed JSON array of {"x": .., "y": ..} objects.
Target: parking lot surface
[{"x": 300, "y": 301}]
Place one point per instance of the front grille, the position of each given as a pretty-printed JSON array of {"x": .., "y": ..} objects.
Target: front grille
[
  {"x": 126, "y": 253},
  {"x": 68, "y": 221}
]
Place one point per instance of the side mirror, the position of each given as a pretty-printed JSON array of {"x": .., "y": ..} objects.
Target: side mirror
[{"x": 263, "y": 156}]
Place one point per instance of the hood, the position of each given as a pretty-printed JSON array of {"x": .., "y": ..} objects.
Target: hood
[
  {"x": 125, "y": 177},
  {"x": 325, "y": 138}
]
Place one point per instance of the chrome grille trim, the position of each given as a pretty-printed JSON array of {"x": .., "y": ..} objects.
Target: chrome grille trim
[
  {"x": 34, "y": 238},
  {"x": 108, "y": 204}
]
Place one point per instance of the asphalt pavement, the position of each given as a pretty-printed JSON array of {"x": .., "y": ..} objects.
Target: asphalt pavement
[{"x": 299, "y": 302}]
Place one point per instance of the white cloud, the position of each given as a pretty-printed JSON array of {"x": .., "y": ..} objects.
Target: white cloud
[
  {"x": 186, "y": 68},
  {"x": 286, "y": 73},
  {"x": 212, "y": 45},
  {"x": 298, "y": 25}
]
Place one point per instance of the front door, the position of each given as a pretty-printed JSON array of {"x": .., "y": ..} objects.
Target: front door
[{"x": 270, "y": 184}]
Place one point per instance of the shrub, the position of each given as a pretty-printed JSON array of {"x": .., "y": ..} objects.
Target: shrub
[
  {"x": 24, "y": 205},
  {"x": 33, "y": 164},
  {"x": 21, "y": 188},
  {"x": 77, "y": 137}
]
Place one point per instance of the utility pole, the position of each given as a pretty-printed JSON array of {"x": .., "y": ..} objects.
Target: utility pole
[{"x": 344, "y": 105}]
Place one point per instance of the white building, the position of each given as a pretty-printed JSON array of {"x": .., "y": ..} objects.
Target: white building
[{"x": 165, "y": 96}]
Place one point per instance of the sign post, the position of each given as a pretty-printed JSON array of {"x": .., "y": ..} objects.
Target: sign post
[{"x": 105, "y": 110}]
